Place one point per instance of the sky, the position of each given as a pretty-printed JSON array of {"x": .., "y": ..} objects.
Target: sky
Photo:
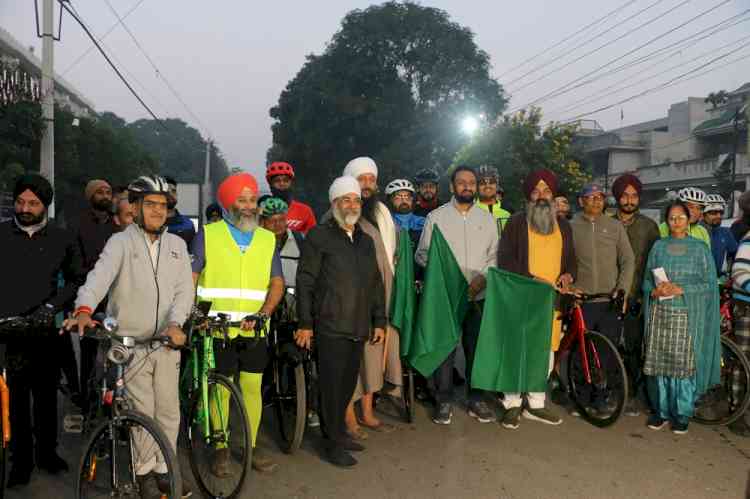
[{"x": 230, "y": 60}]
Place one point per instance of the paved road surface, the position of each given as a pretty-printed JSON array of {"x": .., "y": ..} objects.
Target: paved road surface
[{"x": 467, "y": 459}]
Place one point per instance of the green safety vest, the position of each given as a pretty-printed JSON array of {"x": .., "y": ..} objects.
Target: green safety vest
[
  {"x": 501, "y": 216},
  {"x": 236, "y": 283}
]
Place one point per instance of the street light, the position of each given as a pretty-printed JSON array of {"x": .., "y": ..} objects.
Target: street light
[{"x": 470, "y": 125}]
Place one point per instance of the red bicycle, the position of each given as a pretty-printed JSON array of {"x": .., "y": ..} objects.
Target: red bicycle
[{"x": 597, "y": 380}]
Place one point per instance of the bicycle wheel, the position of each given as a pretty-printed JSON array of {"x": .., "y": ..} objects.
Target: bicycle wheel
[
  {"x": 290, "y": 401},
  {"x": 107, "y": 467},
  {"x": 219, "y": 459},
  {"x": 601, "y": 401},
  {"x": 726, "y": 402}
]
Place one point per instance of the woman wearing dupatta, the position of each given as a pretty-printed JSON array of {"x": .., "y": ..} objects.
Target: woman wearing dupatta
[{"x": 682, "y": 340}]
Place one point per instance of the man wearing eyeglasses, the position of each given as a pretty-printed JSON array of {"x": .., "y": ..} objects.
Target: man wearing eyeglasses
[{"x": 490, "y": 195}]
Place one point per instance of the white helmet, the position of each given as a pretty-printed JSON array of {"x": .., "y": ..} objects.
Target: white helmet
[
  {"x": 692, "y": 195},
  {"x": 400, "y": 184},
  {"x": 714, "y": 202}
]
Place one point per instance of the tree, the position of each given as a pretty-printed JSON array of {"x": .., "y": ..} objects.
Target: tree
[
  {"x": 518, "y": 145},
  {"x": 394, "y": 83},
  {"x": 717, "y": 98}
]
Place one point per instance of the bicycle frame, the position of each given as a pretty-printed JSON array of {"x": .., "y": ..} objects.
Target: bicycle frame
[
  {"x": 576, "y": 332},
  {"x": 202, "y": 365}
]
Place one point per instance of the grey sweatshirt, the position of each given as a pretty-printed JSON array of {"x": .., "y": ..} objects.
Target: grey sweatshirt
[
  {"x": 472, "y": 237},
  {"x": 125, "y": 273},
  {"x": 605, "y": 258}
]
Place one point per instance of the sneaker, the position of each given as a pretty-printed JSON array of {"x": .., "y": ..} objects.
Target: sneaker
[
  {"x": 655, "y": 422},
  {"x": 542, "y": 415},
  {"x": 147, "y": 486},
  {"x": 352, "y": 446},
  {"x": 261, "y": 463},
  {"x": 52, "y": 463},
  {"x": 573, "y": 411},
  {"x": 512, "y": 418},
  {"x": 162, "y": 484},
  {"x": 313, "y": 420},
  {"x": 481, "y": 412},
  {"x": 443, "y": 414},
  {"x": 632, "y": 409},
  {"x": 740, "y": 428},
  {"x": 679, "y": 428},
  {"x": 220, "y": 463},
  {"x": 339, "y": 457}
]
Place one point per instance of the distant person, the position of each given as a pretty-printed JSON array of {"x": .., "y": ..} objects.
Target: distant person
[
  {"x": 490, "y": 195},
  {"x": 695, "y": 200},
  {"x": 280, "y": 177},
  {"x": 124, "y": 214},
  {"x": 178, "y": 224},
  {"x": 400, "y": 193},
  {"x": 213, "y": 213},
  {"x": 723, "y": 243},
  {"x": 426, "y": 181},
  {"x": 741, "y": 226}
]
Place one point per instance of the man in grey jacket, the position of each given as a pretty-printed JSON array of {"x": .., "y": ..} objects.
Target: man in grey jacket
[
  {"x": 145, "y": 273},
  {"x": 472, "y": 236},
  {"x": 605, "y": 260}
]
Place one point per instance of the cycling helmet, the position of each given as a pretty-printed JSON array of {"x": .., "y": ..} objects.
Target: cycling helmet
[
  {"x": 279, "y": 168},
  {"x": 269, "y": 206},
  {"x": 426, "y": 175},
  {"x": 715, "y": 199},
  {"x": 149, "y": 184},
  {"x": 487, "y": 171},
  {"x": 692, "y": 195},
  {"x": 400, "y": 184}
]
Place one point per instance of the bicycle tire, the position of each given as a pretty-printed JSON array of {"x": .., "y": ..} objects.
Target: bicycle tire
[
  {"x": 292, "y": 431},
  {"x": 613, "y": 379},
  {"x": 200, "y": 450},
  {"x": 89, "y": 468},
  {"x": 732, "y": 358}
]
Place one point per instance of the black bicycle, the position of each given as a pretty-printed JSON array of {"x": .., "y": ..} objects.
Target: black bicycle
[{"x": 110, "y": 457}]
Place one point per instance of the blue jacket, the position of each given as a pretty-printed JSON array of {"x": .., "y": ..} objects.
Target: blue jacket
[
  {"x": 182, "y": 226},
  {"x": 409, "y": 221},
  {"x": 723, "y": 245}
]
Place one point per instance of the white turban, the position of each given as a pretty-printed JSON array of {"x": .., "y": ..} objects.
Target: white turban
[
  {"x": 343, "y": 186},
  {"x": 360, "y": 166}
]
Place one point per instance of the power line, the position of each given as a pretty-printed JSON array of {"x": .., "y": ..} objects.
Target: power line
[
  {"x": 564, "y": 88},
  {"x": 569, "y": 37},
  {"x": 101, "y": 38},
  {"x": 159, "y": 74},
  {"x": 585, "y": 42}
]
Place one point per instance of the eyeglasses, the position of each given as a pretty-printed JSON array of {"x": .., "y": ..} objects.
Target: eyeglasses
[
  {"x": 677, "y": 218},
  {"x": 153, "y": 205}
]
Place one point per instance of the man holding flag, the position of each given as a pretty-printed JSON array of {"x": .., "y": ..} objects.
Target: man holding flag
[
  {"x": 539, "y": 245},
  {"x": 471, "y": 249}
]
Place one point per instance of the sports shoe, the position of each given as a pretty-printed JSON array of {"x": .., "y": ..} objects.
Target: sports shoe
[
  {"x": 313, "y": 420},
  {"x": 655, "y": 422},
  {"x": 261, "y": 463},
  {"x": 443, "y": 414},
  {"x": 147, "y": 486},
  {"x": 679, "y": 428},
  {"x": 480, "y": 411},
  {"x": 542, "y": 415},
  {"x": 162, "y": 483},
  {"x": 512, "y": 418},
  {"x": 339, "y": 457}
]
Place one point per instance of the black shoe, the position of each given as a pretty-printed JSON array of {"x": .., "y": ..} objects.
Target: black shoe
[
  {"x": 352, "y": 446},
  {"x": 147, "y": 487},
  {"x": 19, "y": 476},
  {"x": 52, "y": 463},
  {"x": 339, "y": 457},
  {"x": 162, "y": 483}
]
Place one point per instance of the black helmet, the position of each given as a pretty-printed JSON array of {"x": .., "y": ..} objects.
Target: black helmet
[
  {"x": 426, "y": 175},
  {"x": 149, "y": 184},
  {"x": 487, "y": 171}
]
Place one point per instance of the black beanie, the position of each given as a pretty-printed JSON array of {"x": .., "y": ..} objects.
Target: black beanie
[{"x": 37, "y": 184}]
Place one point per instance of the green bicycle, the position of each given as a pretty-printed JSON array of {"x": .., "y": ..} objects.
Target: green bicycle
[{"x": 216, "y": 423}]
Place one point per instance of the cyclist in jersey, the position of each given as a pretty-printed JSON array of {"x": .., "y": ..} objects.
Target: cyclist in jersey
[
  {"x": 695, "y": 200},
  {"x": 280, "y": 177},
  {"x": 723, "y": 243},
  {"x": 273, "y": 213},
  {"x": 490, "y": 195},
  {"x": 426, "y": 181}
]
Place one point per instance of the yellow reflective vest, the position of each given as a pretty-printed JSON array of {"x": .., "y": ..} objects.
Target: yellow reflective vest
[
  {"x": 501, "y": 216},
  {"x": 236, "y": 283}
]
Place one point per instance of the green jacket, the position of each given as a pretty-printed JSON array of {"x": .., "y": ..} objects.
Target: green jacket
[
  {"x": 642, "y": 233},
  {"x": 501, "y": 216},
  {"x": 696, "y": 230}
]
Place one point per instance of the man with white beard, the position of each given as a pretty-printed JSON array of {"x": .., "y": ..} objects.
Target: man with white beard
[
  {"x": 341, "y": 303},
  {"x": 539, "y": 245}
]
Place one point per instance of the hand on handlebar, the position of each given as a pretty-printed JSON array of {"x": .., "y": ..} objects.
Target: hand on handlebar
[
  {"x": 303, "y": 338},
  {"x": 80, "y": 322},
  {"x": 176, "y": 337}
]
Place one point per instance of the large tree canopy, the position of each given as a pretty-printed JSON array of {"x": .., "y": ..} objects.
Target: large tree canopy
[{"x": 394, "y": 83}]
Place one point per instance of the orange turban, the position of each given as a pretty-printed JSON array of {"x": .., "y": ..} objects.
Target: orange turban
[{"x": 230, "y": 189}]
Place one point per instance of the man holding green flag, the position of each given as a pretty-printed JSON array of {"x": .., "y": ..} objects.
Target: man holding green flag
[
  {"x": 458, "y": 246},
  {"x": 538, "y": 245}
]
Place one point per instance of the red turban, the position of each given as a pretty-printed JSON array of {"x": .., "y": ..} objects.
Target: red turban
[
  {"x": 623, "y": 181},
  {"x": 230, "y": 189},
  {"x": 533, "y": 178}
]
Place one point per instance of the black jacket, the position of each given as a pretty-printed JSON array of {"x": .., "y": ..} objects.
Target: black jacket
[
  {"x": 92, "y": 234},
  {"x": 339, "y": 289},
  {"x": 30, "y": 267}
]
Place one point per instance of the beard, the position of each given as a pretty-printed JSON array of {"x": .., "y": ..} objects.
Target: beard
[
  {"x": 628, "y": 209},
  {"x": 245, "y": 220},
  {"x": 541, "y": 216},
  {"x": 345, "y": 218},
  {"x": 427, "y": 196},
  {"x": 103, "y": 204},
  {"x": 29, "y": 219},
  {"x": 285, "y": 195},
  {"x": 464, "y": 197},
  {"x": 403, "y": 209}
]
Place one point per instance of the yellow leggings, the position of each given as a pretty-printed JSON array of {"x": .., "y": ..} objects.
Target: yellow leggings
[{"x": 250, "y": 386}]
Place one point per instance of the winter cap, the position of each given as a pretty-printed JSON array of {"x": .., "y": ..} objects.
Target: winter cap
[
  {"x": 622, "y": 183},
  {"x": 35, "y": 183},
  {"x": 343, "y": 186},
  {"x": 230, "y": 189},
  {"x": 533, "y": 178},
  {"x": 360, "y": 166},
  {"x": 93, "y": 186}
]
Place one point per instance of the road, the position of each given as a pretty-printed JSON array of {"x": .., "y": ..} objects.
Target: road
[{"x": 467, "y": 459}]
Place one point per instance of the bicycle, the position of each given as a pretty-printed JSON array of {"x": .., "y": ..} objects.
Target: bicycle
[
  {"x": 214, "y": 412},
  {"x": 725, "y": 403},
  {"x": 597, "y": 380},
  {"x": 114, "y": 438}
]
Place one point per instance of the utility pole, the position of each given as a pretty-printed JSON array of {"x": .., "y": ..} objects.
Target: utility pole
[
  {"x": 47, "y": 153},
  {"x": 736, "y": 126},
  {"x": 206, "y": 188}
]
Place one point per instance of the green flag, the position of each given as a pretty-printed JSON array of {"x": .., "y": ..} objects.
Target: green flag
[
  {"x": 442, "y": 308},
  {"x": 404, "y": 296},
  {"x": 515, "y": 336}
]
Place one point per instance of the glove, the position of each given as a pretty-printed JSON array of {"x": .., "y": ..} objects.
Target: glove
[{"x": 43, "y": 316}]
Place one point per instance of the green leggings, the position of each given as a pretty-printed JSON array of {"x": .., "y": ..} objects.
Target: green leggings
[{"x": 250, "y": 386}]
